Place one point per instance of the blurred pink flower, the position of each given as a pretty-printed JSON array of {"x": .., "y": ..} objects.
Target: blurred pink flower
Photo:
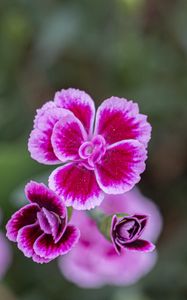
[
  {"x": 108, "y": 157},
  {"x": 5, "y": 254},
  {"x": 94, "y": 262},
  {"x": 41, "y": 228}
]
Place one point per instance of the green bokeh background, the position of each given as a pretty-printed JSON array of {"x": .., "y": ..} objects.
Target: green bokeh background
[{"x": 131, "y": 48}]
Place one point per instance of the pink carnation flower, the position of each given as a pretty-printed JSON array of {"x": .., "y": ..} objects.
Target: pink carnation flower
[
  {"x": 40, "y": 228},
  {"x": 108, "y": 157},
  {"x": 94, "y": 261}
]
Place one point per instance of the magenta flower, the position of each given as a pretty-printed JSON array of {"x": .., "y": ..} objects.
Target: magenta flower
[
  {"x": 126, "y": 232},
  {"x": 108, "y": 157},
  {"x": 40, "y": 228},
  {"x": 94, "y": 261}
]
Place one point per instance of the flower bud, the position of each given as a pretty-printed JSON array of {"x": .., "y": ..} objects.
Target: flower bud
[{"x": 125, "y": 233}]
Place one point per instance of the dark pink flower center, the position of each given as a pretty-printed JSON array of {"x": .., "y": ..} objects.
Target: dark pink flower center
[{"x": 93, "y": 150}]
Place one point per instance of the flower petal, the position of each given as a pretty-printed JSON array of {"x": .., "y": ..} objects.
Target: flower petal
[
  {"x": 78, "y": 102},
  {"x": 57, "y": 224},
  {"x": 118, "y": 119},
  {"x": 43, "y": 222},
  {"x": 44, "y": 197},
  {"x": 120, "y": 168},
  {"x": 122, "y": 229},
  {"x": 112, "y": 235},
  {"x": 41, "y": 111},
  {"x": 68, "y": 135},
  {"x": 39, "y": 144},
  {"x": 40, "y": 147},
  {"x": 77, "y": 185},
  {"x": 140, "y": 245},
  {"x": 45, "y": 246},
  {"x": 143, "y": 219},
  {"x": 40, "y": 260},
  {"x": 26, "y": 238},
  {"x": 24, "y": 216}
]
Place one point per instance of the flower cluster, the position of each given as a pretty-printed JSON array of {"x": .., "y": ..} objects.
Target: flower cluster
[{"x": 101, "y": 155}]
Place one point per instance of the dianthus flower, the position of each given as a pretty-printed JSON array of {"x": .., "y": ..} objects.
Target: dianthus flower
[
  {"x": 40, "y": 228},
  {"x": 94, "y": 261},
  {"x": 106, "y": 158}
]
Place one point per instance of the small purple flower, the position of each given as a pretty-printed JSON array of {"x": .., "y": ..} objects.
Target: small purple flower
[
  {"x": 107, "y": 157},
  {"x": 126, "y": 232},
  {"x": 40, "y": 228}
]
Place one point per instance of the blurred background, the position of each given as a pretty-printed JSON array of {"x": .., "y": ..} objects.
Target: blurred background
[{"x": 135, "y": 49}]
